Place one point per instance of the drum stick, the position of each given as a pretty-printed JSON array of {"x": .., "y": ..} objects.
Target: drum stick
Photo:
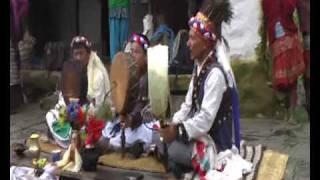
[{"x": 123, "y": 142}]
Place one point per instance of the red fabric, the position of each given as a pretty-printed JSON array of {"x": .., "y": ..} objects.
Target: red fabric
[
  {"x": 288, "y": 62},
  {"x": 94, "y": 129},
  {"x": 197, "y": 168},
  {"x": 81, "y": 117},
  {"x": 200, "y": 148},
  {"x": 279, "y": 10}
]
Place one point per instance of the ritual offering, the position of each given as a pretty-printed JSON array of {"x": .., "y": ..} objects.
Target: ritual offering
[
  {"x": 90, "y": 158},
  {"x": 93, "y": 129},
  {"x": 61, "y": 128},
  {"x": 34, "y": 146},
  {"x": 71, "y": 160},
  {"x": 75, "y": 114}
]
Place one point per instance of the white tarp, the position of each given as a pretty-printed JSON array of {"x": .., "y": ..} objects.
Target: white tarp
[{"x": 242, "y": 33}]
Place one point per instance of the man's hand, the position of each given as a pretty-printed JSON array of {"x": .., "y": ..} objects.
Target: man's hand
[
  {"x": 169, "y": 133},
  {"x": 125, "y": 120}
]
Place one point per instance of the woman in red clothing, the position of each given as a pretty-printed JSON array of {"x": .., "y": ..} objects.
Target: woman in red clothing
[{"x": 285, "y": 45}]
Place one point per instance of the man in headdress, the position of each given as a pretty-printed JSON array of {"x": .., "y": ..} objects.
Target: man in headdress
[
  {"x": 208, "y": 120},
  {"x": 94, "y": 84}
]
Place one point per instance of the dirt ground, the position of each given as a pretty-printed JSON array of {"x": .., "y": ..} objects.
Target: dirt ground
[{"x": 275, "y": 134}]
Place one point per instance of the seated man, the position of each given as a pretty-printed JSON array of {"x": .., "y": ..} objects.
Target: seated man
[
  {"x": 208, "y": 121},
  {"x": 94, "y": 85},
  {"x": 135, "y": 132}
]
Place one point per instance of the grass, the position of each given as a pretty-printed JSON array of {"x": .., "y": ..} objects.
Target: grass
[{"x": 256, "y": 97}]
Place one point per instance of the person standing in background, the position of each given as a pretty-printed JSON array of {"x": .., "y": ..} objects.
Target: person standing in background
[
  {"x": 286, "y": 48},
  {"x": 118, "y": 24},
  {"x": 19, "y": 11}
]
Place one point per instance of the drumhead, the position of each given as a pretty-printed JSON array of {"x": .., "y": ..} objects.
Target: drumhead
[
  {"x": 158, "y": 81},
  {"x": 120, "y": 77}
]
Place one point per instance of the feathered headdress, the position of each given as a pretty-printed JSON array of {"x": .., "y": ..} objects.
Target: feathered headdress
[{"x": 208, "y": 20}]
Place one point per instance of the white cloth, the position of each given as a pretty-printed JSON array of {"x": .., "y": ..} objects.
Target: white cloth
[
  {"x": 143, "y": 134},
  {"x": 234, "y": 169},
  {"x": 98, "y": 80},
  {"x": 148, "y": 26},
  {"x": 224, "y": 59},
  {"x": 26, "y": 173}
]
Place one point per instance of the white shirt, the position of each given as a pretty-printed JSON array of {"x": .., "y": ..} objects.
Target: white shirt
[{"x": 199, "y": 125}]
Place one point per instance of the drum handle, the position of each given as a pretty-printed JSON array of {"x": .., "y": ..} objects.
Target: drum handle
[{"x": 113, "y": 85}]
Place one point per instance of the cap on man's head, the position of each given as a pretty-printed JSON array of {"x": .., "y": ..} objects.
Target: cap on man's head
[{"x": 79, "y": 42}]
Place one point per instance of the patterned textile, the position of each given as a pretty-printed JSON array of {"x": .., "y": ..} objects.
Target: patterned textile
[
  {"x": 248, "y": 161},
  {"x": 201, "y": 24},
  {"x": 288, "y": 62},
  {"x": 142, "y": 41},
  {"x": 254, "y": 155},
  {"x": 279, "y": 12},
  {"x": 81, "y": 40},
  {"x": 203, "y": 157}
]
